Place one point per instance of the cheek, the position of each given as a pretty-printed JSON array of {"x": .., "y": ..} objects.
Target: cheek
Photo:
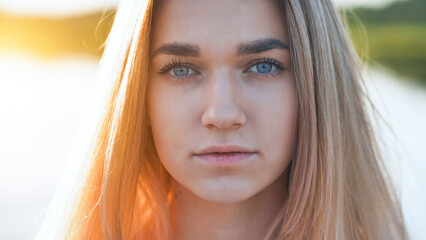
[
  {"x": 170, "y": 122},
  {"x": 276, "y": 125}
]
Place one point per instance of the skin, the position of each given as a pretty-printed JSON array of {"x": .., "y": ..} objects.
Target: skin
[{"x": 223, "y": 100}]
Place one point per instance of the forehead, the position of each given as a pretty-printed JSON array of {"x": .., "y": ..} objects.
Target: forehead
[{"x": 217, "y": 25}]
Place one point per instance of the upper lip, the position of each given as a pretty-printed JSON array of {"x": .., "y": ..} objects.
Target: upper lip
[{"x": 224, "y": 149}]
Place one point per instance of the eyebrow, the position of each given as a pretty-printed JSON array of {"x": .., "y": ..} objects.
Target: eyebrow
[
  {"x": 189, "y": 50},
  {"x": 178, "y": 49},
  {"x": 260, "y": 45}
]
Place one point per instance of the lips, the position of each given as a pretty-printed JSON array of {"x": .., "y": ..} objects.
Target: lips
[
  {"x": 225, "y": 149},
  {"x": 225, "y": 155}
]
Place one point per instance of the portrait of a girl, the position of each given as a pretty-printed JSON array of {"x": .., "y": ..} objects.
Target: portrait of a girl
[{"x": 232, "y": 119}]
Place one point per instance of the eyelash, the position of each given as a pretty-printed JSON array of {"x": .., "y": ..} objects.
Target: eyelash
[
  {"x": 272, "y": 61},
  {"x": 177, "y": 63}
]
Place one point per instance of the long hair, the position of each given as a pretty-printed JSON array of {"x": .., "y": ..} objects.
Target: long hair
[{"x": 338, "y": 186}]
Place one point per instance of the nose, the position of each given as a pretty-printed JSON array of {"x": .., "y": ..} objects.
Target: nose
[{"x": 223, "y": 110}]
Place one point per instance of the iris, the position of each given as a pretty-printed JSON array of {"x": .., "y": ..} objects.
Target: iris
[
  {"x": 180, "y": 71},
  {"x": 264, "y": 67}
]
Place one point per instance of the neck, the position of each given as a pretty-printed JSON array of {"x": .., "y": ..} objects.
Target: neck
[{"x": 195, "y": 218}]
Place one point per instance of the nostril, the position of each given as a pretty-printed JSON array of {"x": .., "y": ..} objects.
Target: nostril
[{"x": 223, "y": 117}]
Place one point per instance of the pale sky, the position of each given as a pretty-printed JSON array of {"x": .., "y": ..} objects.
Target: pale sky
[{"x": 66, "y": 7}]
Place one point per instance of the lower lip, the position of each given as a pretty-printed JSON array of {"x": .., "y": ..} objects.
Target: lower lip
[{"x": 225, "y": 159}]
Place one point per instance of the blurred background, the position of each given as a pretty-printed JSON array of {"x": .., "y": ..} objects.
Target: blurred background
[{"x": 49, "y": 53}]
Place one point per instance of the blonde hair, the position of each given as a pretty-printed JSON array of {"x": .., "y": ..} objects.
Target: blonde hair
[{"x": 338, "y": 186}]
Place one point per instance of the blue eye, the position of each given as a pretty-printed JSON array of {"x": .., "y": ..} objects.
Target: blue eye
[
  {"x": 180, "y": 71},
  {"x": 265, "y": 67}
]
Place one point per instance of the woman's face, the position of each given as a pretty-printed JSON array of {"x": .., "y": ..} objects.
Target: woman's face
[{"x": 221, "y": 76}]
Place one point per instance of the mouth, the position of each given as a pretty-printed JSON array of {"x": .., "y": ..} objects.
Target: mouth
[
  {"x": 225, "y": 155},
  {"x": 224, "y": 149}
]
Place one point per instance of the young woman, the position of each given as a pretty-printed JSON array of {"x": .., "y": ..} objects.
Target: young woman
[{"x": 232, "y": 119}]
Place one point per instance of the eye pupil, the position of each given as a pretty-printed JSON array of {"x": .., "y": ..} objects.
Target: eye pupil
[
  {"x": 264, "y": 67},
  {"x": 180, "y": 71}
]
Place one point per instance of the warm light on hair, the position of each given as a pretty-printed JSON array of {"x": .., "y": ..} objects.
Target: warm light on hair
[{"x": 338, "y": 186}]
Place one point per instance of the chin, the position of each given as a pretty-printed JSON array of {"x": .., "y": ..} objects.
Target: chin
[{"x": 225, "y": 192}]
